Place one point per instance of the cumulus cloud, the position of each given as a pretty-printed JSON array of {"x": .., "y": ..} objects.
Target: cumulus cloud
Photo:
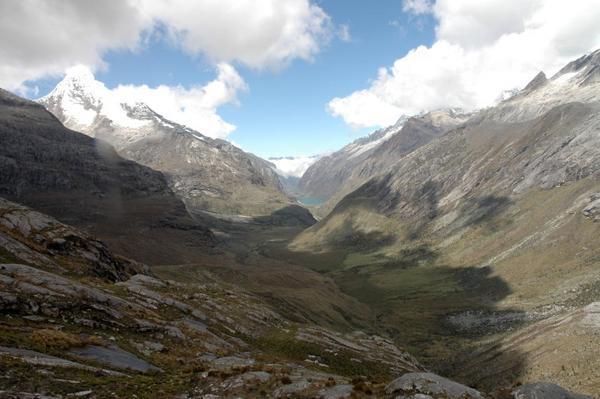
[
  {"x": 195, "y": 107},
  {"x": 258, "y": 33},
  {"x": 44, "y": 37},
  {"x": 482, "y": 49}
]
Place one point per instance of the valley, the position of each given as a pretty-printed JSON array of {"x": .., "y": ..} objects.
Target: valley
[{"x": 140, "y": 258}]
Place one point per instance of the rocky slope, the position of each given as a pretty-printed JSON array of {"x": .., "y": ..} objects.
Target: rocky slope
[
  {"x": 77, "y": 322},
  {"x": 510, "y": 195},
  {"x": 85, "y": 183},
  {"x": 207, "y": 174},
  {"x": 334, "y": 176}
]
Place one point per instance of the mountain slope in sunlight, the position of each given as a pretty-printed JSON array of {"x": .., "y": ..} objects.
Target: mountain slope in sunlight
[
  {"x": 513, "y": 192},
  {"x": 334, "y": 176}
]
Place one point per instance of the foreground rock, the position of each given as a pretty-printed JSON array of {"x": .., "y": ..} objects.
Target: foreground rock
[
  {"x": 415, "y": 385},
  {"x": 545, "y": 390},
  {"x": 43, "y": 241}
]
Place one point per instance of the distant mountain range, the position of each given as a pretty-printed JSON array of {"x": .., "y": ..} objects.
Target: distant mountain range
[
  {"x": 469, "y": 239},
  {"x": 207, "y": 174}
]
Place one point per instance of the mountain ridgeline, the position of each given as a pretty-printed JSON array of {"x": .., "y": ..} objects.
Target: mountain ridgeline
[
  {"x": 84, "y": 182},
  {"x": 486, "y": 228},
  {"x": 334, "y": 176},
  {"x": 207, "y": 174},
  {"x": 140, "y": 258}
]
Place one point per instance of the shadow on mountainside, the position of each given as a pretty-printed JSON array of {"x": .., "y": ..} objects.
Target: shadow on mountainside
[
  {"x": 429, "y": 197},
  {"x": 484, "y": 210},
  {"x": 439, "y": 313}
]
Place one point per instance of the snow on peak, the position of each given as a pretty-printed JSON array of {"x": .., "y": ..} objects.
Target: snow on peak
[
  {"x": 81, "y": 99},
  {"x": 373, "y": 140},
  {"x": 578, "y": 81},
  {"x": 293, "y": 166}
]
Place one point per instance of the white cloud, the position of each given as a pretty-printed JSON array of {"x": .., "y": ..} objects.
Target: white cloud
[
  {"x": 44, "y": 37},
  {"x": 417, "y": 6},
  {"x": 482, "y": 49},
  {"x": 258, "y": 33},
  {"x": 195, "y": 107},
  {"x": 344, "y": 33}
]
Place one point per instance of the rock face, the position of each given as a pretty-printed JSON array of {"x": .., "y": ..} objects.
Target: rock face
[
  {"x": 84, "y": 182},
  {"x": 336, "y": 175},
  {"x": 41, "y": 240},
  {"x": 207, "y": 174},
  {"x": 211, "y": 175},
  {"x": 541, "y": 139},
  {"x": 592, "y": 210}
]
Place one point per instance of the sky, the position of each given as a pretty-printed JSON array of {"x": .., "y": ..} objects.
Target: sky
[{"x": 294, "y": 77}]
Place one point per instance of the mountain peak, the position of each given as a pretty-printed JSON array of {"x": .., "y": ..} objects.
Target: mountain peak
[
  {"x": 79, "y": 81},
  {"x": 589, "y": 60},
  {"x": 80, "y": 72},
  {"x": 539, "y": 80},
  {"x": 81, "y": 102}
]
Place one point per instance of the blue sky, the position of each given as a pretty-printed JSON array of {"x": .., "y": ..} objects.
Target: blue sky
[
  {"x": 276, "y": 77},
  {"x": 284, "y": 111}
]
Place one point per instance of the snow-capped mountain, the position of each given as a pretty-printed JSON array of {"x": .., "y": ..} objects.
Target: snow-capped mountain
[
  {"x": 84, "y": 104},
  {"x": 335, "y": 175},
  {"x": 208, "y": 174},
  {"x": 576, "y": 82},
  {"x": 293, "y": 166}
]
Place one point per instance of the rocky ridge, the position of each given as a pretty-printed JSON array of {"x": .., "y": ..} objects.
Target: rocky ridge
[{"x": 511, "y": 193}]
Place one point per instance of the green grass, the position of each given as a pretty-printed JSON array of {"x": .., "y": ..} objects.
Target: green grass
[{"x": 280, "y": 344}]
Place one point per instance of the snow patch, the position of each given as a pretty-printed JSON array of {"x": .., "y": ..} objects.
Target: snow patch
[
  {"x": 355, "y": 150},
  {"x": 293, "y": 166}
]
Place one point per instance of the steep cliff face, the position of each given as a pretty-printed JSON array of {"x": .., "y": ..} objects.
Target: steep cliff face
[
  {"x": 207, "y": 174},
  {"x": 85, "y": 183}
]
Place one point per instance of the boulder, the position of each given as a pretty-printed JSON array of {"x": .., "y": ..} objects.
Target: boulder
[
  {"x": 431, "y": 384},
  {"x": 545, "y": 390}
]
